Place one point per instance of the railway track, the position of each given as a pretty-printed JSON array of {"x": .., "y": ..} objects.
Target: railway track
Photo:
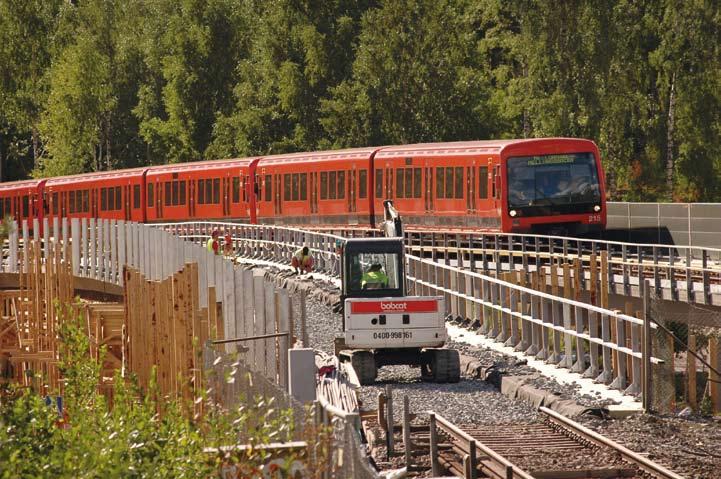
[{"x": 554, "y": 448}]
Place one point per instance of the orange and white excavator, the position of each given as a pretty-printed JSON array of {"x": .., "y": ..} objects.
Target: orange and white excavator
[{"x": 382, "y": 325}]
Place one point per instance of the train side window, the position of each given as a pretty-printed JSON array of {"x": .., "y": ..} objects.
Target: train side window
[
  {"x": 216, "y": 191},
  {"x": 181, "y": 200},
  {"x": 296, "y": 186},
  {"x": 55, "y": 203},
  {"x": 26, "y": 206},
  {"x": 150, "y": 195},
  {"x": 78, "y": 201},
  {"x": 417, "y": 182},
  {"x": 323, "y": 185},
  {"x": 268, "y": 188},
  {"x": 409, "y": 183},
  {"x": 136, "y": 196},
  {"x": 286, "y": 187},
  {"x": 2, "y": 204},
  {"x": 111, "y": 199},
  {"x": 459, "y": 182},
  {"x": 86, "y": 201},
  {"x": 400, "y": 175},
  {"x": 72, "y": 202},
  {"x": 104, "y": 197},
  {"x": 341, "y": 185},
  {"x": 169, "y": 194},
  {"x": 236, "y": 189},
  {"x": 362, "y": 183},
  {"x": 303, "y": 186},
  {"x": 440, "y": 182},
  {"x": 331, "y": 185},
  {"x": 379, "y": 184},
  {"x": 483, "y": 182},
  {"x": 201, "y": 192}
]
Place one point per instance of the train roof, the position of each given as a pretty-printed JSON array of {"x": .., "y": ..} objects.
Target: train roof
[
  {"x": 478, "y": 147},
  {"x": 309, "y": 157},
  {"x": 201, "y": 165},
  {"x": 21, "y": 184},
  {"x": 98, "y": 175}
]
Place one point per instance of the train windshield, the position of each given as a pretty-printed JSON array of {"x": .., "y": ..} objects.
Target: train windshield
[{"x": 552, "y": 180}]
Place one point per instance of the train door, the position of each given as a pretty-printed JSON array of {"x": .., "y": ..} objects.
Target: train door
[
  {"x": 428, "y": 190},
  {"x": 278, "y": 197},
  {"x": 352, "y": 201},
  {"x": 496, "y": 189},
  {"x": 159, "y": 199},
  {"x": 191, "y": 198},
  {"x": 313, "y": 192},
  {"x": 389, "y": 184},
  {"x": 226, "y": 196},
  {"x": 94, "y": 203},
  {"x": 126, "y": 203},
  {"x": 470, "y": 188}
]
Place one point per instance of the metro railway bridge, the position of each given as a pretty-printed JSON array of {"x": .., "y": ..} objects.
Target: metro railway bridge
[{"x": 583, "y": 305}]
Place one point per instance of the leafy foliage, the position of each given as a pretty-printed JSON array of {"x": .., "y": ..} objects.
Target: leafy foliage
[
  {"x": 99, "y": 84},
  {"x": 141, "y": 435}
]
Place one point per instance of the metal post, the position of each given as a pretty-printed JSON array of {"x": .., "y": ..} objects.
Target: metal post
[
  {"x": 407, "y": 445},
  {"x": 389, "y": 420},
  {"x": 646, "y": 390},
  {"x": 435, "y": 465}
]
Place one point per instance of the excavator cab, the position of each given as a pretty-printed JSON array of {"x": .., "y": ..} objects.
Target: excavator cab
[{"x": 373, "y": 268}]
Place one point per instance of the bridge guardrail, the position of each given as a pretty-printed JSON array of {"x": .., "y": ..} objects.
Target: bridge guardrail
[{"x": 569, "y": 333}]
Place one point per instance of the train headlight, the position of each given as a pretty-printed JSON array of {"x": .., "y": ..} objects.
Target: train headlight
[
  {"x": 597, "y": 208},
  {"x": 512, "y": 213}
]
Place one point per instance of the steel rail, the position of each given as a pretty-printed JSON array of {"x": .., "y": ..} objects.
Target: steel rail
[
  {"x": 643, "y": 463},
  {"x": 509, "y": 470}
]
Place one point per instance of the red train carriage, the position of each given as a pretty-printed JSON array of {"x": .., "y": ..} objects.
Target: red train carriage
[
  {"x": 202, "y": 190},
  {"x": 440, "y": 184},
  {"x": 23, "y": 200},
  {"x": 534, "y": 185},
  {"x": 108, "y": 194},
  {"x": 330, "y": 187}
]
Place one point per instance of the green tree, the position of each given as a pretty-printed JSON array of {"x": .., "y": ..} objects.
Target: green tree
[
  {"x": 88, "y": 123},
  {"x": 26, "y": 34},
  {"x": 415, "y": 78},
  {"x": 191, "y": 49},
  {"x": 299, "y": 51}
]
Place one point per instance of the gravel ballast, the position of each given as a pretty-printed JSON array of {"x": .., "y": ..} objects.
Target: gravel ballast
[{"x": 689, "y": 446}]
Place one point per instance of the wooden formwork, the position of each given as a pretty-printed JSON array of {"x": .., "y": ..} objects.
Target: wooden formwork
[
  {"x": 164, "y": 330},
  {"x": 30, "y": 321}
]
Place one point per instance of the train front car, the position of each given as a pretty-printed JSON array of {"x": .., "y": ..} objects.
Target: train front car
[{"x": 552, "y": 186}]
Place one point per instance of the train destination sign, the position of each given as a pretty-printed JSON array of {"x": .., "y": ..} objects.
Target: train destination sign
[{"x": 551, "y": 160}]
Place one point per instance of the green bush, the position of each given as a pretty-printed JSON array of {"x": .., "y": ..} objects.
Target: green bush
[{"x": 141, "y": 435}]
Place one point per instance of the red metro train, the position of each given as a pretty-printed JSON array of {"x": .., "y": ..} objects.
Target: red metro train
[{"x": 533, "y": 185}]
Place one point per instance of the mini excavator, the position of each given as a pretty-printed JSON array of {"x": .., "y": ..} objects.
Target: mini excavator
[{"x": 381, "y": 324}]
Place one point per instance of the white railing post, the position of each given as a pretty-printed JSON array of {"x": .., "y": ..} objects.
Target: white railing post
[
  {"x": 93, "y": 263},
  {"x": 76, "y": 233},
  {"x": 14, "y": 240}
]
